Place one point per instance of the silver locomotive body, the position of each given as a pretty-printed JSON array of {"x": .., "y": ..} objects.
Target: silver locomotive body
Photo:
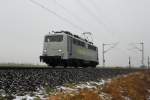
[{"x": 64, "y": 49}]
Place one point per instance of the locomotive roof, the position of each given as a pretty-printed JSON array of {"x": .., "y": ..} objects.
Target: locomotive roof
[{"x": 69, "y": 33}]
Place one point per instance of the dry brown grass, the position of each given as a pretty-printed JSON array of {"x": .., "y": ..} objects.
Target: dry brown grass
[
  {"x": 84, "y": 94},
  {"x": 134, "y": 86}
]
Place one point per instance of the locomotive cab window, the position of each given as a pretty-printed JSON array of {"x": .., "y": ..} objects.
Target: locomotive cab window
[
  {"x": 56, "y": 38},
  {"x": 77, "y": 42},
  {"x": 92, "y": 47}
]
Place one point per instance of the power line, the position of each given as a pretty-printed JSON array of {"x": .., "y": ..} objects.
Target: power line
[
  {"x": 93, "y": 4},
  {"x": 54, "y": 13},
  {"x": 68, "y": 11},
  {"x": 105, "y": 25},
  {"x": 88, "y": 10},
  {"x": 93, "y": 15}
]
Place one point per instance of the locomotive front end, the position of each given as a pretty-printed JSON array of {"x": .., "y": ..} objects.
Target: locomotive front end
[{"x": 54, "y": 49}]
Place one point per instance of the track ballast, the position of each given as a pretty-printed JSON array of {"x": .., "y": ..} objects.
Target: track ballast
[{"x": 27, "y": 79}]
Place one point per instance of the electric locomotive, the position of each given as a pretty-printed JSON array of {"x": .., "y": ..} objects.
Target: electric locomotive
[{"x": 62, "y": 48}]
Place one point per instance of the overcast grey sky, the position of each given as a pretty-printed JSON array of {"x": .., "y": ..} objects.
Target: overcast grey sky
[{"x": 23, "y": 25}]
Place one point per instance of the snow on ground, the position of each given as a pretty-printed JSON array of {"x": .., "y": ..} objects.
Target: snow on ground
[
  {"x": 149, "y": 92},
  {"x": 105, "y": 96},
  {"x": 126, "y": 98},
  {"x": 89, "y": 85},
  {"x": 41, "y": 94},
  {"x": 27, "y": 97},
  {"x": 2, "y": 93}
]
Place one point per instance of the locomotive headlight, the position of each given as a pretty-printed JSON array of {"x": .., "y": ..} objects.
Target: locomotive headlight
[
  {"x": 59, "y": 50},
  {"x": 45, "y": 50}
]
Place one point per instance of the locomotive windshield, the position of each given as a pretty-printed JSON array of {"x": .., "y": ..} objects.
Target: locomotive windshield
[
  {"x": 92, "y": 47},
  {"x": 56, "y": 38}
]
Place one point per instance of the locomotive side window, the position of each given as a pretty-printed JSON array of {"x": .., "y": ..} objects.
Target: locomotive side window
[
  {"x": 92, "y": 47},
  {"x": 57, "y": 38},
  {"x": 77, "y": 42}
]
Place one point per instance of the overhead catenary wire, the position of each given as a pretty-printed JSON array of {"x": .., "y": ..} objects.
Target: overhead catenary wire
[
  {"x": 105, "y": 25},
  {"x": 111, "y": 47},
  {"x": 87, "y": 10},
  {"x": 92, "y": 14},
  {"x": 54, "y": 13},
  {"x": 96, "y": 9},
  {"x": 93, "y": 4},
  {"x": 132, "y": 49},
  {"x": 70, "y": 12},
  {"x": 82, "y": 20}
]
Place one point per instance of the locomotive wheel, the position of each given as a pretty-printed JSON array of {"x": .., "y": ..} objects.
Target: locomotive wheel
[
  {"x": 84, "y": 66},
  {"x": 93, "y": 66},
  {"x": 76, "y": 66},
  {"x": 53, "y": 66},
  {"x": 65, "y": 64}
]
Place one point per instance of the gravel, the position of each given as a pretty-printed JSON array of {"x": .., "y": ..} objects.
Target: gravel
[{"x": 23, "y": 80}]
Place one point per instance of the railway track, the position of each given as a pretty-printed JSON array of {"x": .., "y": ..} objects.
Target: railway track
[{"x": 26, "y": 79}]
